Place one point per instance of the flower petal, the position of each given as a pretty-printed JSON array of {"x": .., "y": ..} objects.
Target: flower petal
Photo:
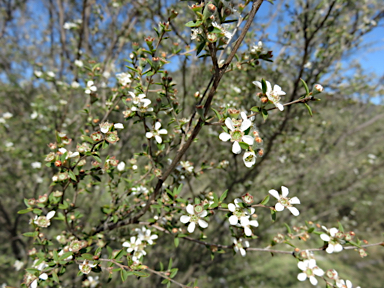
[
  {"x": 279, "y": 207},
  {"x": 302, "y": 277},
  {"x": 325, "y": 237},
  {"x": 302, "y": 266},
  {"x": 274, "y": 193},
  {"x": 231, "y": 207},
  {"x": 294, "y": 211},
  {"x": 247, "y": 231},
  {"x": 245, "y": 125},
  {"x": 242, "y": 252},
  {"x": 229, "y": 124},
  {"x": 269, "y": 86},
  {"x": 284, "y": 191},
  {"x": 224, "y": 136},
  {"x": 248, "y": 139},
  {"x": 43, "y": 276},
  {"x": 294, "y": 200},
  {"x": 203, "y": 214},
  {"x": 157, "y": 125},
  {"x": 233, "y": 220},
  {"x": 158, "y": 139},
  {"x": 333, "y": 231},
  {"x": 149, "y": 135},
  {"x": 330, "y": 249},
  {"x": 279, "y": 106},
  {"x": 163, "y": 131},
  {"x": 236, "y": 149},
  {"x": 50, "y": 214},
  {"x": 258, "y": 84},
  {"x": 318, "y": 272},
  {"x": 313, "y": 280},
  {"x": 202, "y": 223},
  {"x": 190, "y": 209},
  {"x": 191, "y": 227},
  {"x": 183, "y": 219},
  {"x": 338, "y": 247}
]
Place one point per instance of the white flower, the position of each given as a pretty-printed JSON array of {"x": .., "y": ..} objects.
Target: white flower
[
  {"x": 93, "y": 281},
  {"x": 195, "y": 32},
  {"x": 236, "y": 134},
  {"x": 187, "y": 166},
  {"x": 124, "y": 78},
  {"x": 139, "y": 98},
  {"x": 258, "y": 48},
  {"x": 333, "y": 238},
  {"x": 284, "y": 201},
  {"x": 90, "y": 87},
  {"x": 224, "y": 29},
  {"x": 118, "y": 126},
  {"x": 61, "y": 253},
  {"x": 144, "y": 234},
  {"x": 2, "y": 120},
  {"x": 7, "y": 115},
  {"x": 239, "y": 245},
  {"x": 272, "y": 95},
  {"x": 195, "y": 214},
  {"x": 44, "y": 221},
  {"x": 239, "y": 213},
  {"x": 134, "y": 167},
  {"x": 18, "y": 265},
  {"x": 156, "y": 133},
  {"x": 86, "y": 266},
  {"x": 249, "y": 159},
  {"x": 309, "y": 269},
  {"x": 63, "y": 102},
  {"x": 246, "y": 224},
  {"x": 121, "y": 166},
  {"x": 69, "y": 25},
  {"x": 75, "y": 85},
  {"x": 51, "y": 74},
  {"x": 344, "y": 284},
  {"x": 38, "y": 74},
  {"x": 36, "y": 165},
  {"x": 139, "y": 190},
  {"x": 136, "y": 246},
  {"x": 79, "y": 63}
]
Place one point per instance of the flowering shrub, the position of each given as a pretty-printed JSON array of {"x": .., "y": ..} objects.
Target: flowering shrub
[{"x": 141, "y": 158}]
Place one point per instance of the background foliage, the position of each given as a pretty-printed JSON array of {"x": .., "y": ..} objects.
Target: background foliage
[{"x": 333, "y": 161}]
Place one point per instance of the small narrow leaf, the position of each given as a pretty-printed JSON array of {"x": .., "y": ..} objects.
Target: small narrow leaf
[{"x": 305, "y": 86}]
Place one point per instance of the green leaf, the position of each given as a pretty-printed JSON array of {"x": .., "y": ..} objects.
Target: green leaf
[
  {"x": 32, "y": 270},
  {"x": 309, "y": 109},
  {"x": 265, "y": 200},
  {"x": 305, "y": 86},
  {"x": 140, "y": 273},
  {"x": 55, "y": 256},
  {"x": 72, "y": 175},
  {"x": 31, "y": 234},
  {"x": 255, "y": 109},
  {"x": 264, "y": 86},
  {"x": 244, "y": 145},
  {"x": 341, "y": 229},
  {"x": 223, "y": 196},
  {"x": 288, "y": 228},
  {"x": 170, "y": 264},
  {"x": 176, "y": 240},
  {"x": 165, "y": 281},
  {"x": 97, "y": 158},
  {"x": 217, "y": 113},
  {"x": 173, "y": 272},
  {"x": 273, "y": 215},
  {"x": 200, "y": 47},
  {"x": 264, "y": 113},
  {"x": 55, "y": 277},
  {"x": 194, "y": 24},
  {"x": 87, "y": 256},
  {"x": 24, "y": 211}
]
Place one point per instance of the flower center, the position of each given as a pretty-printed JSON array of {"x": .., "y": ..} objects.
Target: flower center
[
  {"x": 237, "y": 135},
  {"x": 284, "y": 201},
  {"x": 309, "y": 272},
  {"x": 194, "y": 218},
  {"x": 274, "y": 97}
]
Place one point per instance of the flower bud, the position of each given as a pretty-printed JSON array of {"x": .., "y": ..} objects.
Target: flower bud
[
  {"x": 317, "y": 89},
  {"x": 264, "y": 99},
  {"x": 247, "y": 198}
]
